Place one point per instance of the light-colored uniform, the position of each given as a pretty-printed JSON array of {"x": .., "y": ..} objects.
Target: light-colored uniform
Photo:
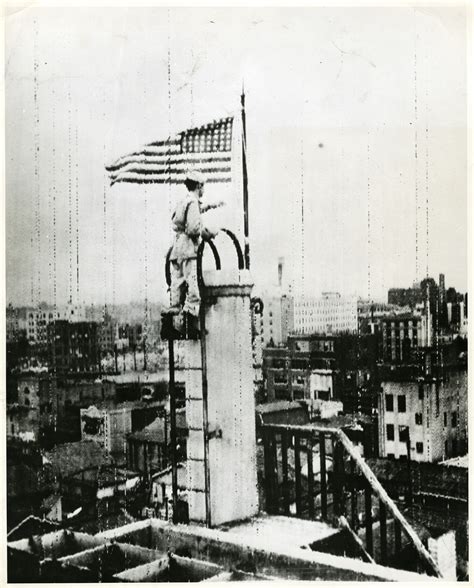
[{"x": 186, "y": 222}]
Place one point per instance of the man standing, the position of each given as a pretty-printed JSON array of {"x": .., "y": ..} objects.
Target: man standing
[{"x": 187, "y": 225}]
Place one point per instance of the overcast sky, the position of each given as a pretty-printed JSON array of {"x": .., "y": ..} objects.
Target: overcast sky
[{"x": 336, "y": 101}]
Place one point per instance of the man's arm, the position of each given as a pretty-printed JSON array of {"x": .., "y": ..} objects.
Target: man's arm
[{"x": 210, "y": 205}]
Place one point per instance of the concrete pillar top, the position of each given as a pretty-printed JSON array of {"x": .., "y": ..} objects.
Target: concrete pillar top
[{"x": 227, "y": 283}]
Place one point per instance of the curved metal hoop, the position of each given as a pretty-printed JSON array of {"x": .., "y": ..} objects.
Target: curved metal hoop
[
  {"x": 238, "y": 249},
  {"x": 257, "y": 305},
  {"x": 215, "y": 253}
]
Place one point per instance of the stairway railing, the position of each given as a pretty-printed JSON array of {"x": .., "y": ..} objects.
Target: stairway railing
[{"x": 318, "y": 473}]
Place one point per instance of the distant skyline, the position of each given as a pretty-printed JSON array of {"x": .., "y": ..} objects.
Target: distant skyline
[{"x": 362, "y": 111}]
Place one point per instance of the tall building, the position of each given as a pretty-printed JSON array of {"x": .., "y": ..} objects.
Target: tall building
[
  {"x": 73, "y": 346},
  {"x": 106, "y": 333},
  {"x": 405, "y": 296},
  {"x": 277, "y": 321},
  {"x": 402, "y": 335},
  {"x": 38, "y": 319},
  {"x": 328, "y": 314}
]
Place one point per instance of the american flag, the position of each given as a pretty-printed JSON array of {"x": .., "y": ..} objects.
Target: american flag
[{"x": 207, "y": 149}]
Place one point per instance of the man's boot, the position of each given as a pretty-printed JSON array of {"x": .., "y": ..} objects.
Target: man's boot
[{"x": 172, "y": 326}]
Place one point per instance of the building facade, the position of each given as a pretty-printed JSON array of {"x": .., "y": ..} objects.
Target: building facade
[
  {"x": 330, "y": 313},
  {"x": 73, "y": 347},
  {"x": 426, "y": 416},
  {"x": 403, "y": 334},
  {"x": 320, "y": 367},
  {"x": 108, "y": 424}
]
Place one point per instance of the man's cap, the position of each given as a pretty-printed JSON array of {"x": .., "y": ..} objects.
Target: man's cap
[{"x": 195, "y": 176}]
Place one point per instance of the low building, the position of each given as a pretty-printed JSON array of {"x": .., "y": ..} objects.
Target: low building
[
  {"x": 161, "y": 494},
  {"x": 282, "y": 412},
  {"x": 322, "y": 367},
  {"x": 33, "y": 416},
  {"x": 109, "y": 423},
  {"x": 90, "y": 483},
  {"x": 148, "y": 450}
]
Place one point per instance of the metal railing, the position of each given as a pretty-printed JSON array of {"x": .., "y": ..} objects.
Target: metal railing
[{"x": 317, "y": 473}]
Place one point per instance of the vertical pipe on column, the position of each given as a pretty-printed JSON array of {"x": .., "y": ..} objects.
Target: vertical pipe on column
[
  {"x": 202, "y": 320},
  {"x": 173, "y": 439}
]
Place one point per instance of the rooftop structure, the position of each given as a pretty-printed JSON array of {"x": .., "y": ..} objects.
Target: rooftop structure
[{"x": 153, "y": 550}]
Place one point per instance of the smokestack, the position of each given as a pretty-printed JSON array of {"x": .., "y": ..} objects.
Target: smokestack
[{"x": 281, "y": 261}]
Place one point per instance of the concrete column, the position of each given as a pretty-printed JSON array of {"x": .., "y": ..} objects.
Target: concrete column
[
  {"x": 231, "y": 405},
  {"x": 230, "y": 478}
]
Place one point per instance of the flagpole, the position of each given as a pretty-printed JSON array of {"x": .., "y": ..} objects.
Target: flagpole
[{"x": 245, "y": 182}]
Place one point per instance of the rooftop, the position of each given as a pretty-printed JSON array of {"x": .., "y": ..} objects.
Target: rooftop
[
  {"x": 155, "y": 431},
  {"x": 457, "y": 462},
  {"x": 70, "y": 458},
  {"x": 154, "y": 550}
]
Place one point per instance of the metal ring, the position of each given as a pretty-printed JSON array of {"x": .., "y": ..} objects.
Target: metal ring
[
  {"x": 215, "y": 253},
  {"x": 200, "y": 252},
  {"x": 257, "y": 305}
]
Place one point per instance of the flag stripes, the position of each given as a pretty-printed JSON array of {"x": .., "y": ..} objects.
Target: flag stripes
[{"x": 207, "y": 149}]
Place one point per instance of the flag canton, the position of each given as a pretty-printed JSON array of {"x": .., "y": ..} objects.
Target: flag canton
[{"x": 211, "y": 138}]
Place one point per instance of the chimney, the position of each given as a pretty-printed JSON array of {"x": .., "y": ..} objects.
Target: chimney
[{"x": 281, "y": 261}]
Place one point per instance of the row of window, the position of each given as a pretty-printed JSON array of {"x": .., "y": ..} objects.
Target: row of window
[
  {"x": 402, "y": 436},
  {"x": 419, "y": 449},
  {"x": 402, "y": 403},
  {"x": 402, "y": 433},
  {"x": 402, "y": 407}
]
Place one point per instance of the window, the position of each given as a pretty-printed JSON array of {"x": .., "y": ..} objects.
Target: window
[
  {"x": 391, "y": 455},
  {"x": 402, "y": 403},
  {"x": 418, "y": 418},
  {"x": 419, "y": 447},
  {"x": 446, "y": 446},
  {"x": 403, "y": 433},
  {"x": 389, "y": 402},
  {"x": 445, "y": 415},
  {"x": 13, "y": 429},
  {"x": 390, "y": 433},
  {"x": 420, "y": 392},
  {"x": 27, "y": 402},
  {"x": 454, "y": 419}
]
